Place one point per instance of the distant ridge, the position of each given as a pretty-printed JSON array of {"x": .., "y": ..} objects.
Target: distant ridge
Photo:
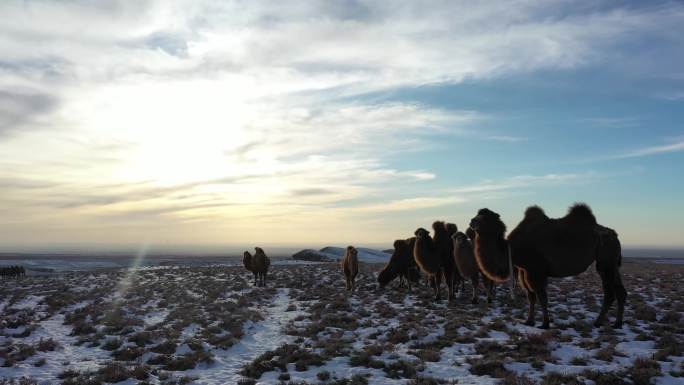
[{"x": 332, "y": 253}]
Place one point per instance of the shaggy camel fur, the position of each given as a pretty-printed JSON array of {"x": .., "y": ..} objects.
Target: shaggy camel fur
[
  {"x": 259, "y": 264},
  {"x": 428, "y": 259},
  {"x": 401, "y": 264},
  {"x": 350, "y": 267},
  {"x": 464, "y": 258},
  {"x": 542, "y": 247}
]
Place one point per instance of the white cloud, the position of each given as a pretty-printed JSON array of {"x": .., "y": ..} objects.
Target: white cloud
[
  {"x": 612, "y": 122},
  {"x": 194, "y": 108},
  {"x": 675, "y": 146}
]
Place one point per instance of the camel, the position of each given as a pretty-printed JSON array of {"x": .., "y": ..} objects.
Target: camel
[
  {"x": 467, "y": 266},
  {"x": 401, "y": 264},
  {"x": 247, "y": 262},
  {"x": 445, "y": 249},
  {"x": 427, "y": 257},
  {"x": 259, "y": 264},
  {"x": 350, "y": 267},
  {"x": 542, "y": 247},
  {"x": 459, "y": 282}
]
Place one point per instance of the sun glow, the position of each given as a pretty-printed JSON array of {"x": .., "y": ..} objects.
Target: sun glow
[{"x": 173, "y": 133}]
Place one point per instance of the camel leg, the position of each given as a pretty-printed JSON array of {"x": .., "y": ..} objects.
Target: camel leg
[
  {"x": 543, "y": 301},
  {"x": 608, "y": 283},
  {"x": 621, "y": 294},
  {"x": 449, "y": 280},
  {"x": 489, "y": 285},
  {"x": 438, "y": 283},
  {"x": 531, "y": 300},
  {"x": 476, "y": 282},
  {"x": 256, "y": 279}
]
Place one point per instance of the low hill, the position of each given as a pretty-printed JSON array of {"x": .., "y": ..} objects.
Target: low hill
[{"x": 332, "y": 253}]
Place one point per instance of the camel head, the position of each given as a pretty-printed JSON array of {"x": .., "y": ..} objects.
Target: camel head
[
  {"x": 259, "y": 250},
  {"x": 488, "y": 222},
  {"x": 470, "y": 233},
  {"x": 421, "y": 233},
  {"x": 451, "y": 228},
  {"x": 459, "y": 237},
  {"x": 351, "y": 250},
  {"x": 400, "y": 246},
  {"x": 386, "y": 276}
]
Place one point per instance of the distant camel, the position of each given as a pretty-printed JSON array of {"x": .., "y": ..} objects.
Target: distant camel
[
  {"x": 401, "y": 264},
  {"x": 428, "y": 259},
  {"x": 247, "y": 262},
  {"x": 467, "y": 266},
  {"x": 350, "y": 267},
  {"x": 12, "y": 271},
  {"x": 542, "y": 247},
  {"x": 259, "y": 265}
]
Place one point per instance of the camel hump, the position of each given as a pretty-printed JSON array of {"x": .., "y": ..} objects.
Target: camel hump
[
  {"x": 421, "y": 232},
  {"x": 582, "y": 213},
  {"x": 486, "y": 211},
  {"x": 400, "y": 243},
  {"x": 438, "y": 226},
  {"x": 451, "y": 228},
  {"x": 535, "y": 212}
]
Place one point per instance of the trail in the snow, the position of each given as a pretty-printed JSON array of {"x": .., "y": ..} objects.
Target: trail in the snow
[{"x": 260, "y": 338}]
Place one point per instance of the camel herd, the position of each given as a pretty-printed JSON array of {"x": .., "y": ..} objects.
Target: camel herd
[
  {"x": 537, "y": 249},
  {"x": 12, "y": 271}
]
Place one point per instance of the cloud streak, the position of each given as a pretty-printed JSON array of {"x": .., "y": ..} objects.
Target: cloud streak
[{"x": 676, "y": 146}]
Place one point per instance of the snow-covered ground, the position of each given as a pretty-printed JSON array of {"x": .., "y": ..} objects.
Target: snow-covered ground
[{"x": 209, "y": 325}]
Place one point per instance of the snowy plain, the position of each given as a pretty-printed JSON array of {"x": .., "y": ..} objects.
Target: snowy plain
[{"x": 210, "y": 325}]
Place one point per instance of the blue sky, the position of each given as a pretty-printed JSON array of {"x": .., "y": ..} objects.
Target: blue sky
[{"x": 311, "y": 123}]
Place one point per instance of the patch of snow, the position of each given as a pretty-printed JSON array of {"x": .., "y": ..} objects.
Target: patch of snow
[{"x": 260, "y": 338}]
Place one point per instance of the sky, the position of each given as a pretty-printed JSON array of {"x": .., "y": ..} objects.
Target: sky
[{"x": 310, "y": 123}]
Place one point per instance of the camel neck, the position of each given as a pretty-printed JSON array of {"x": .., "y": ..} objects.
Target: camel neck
[{"x": 492, "y": 256}]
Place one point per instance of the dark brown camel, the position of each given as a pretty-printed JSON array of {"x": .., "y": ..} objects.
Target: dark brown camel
[
  {"x": 542, "y": 247},
  {"x": 464, "y": 258},
  {"x": 427, "y": 257},
  {"x": 445, "y": 249},
  {"x": 401, "y": 264},
  {"x": 259, "y": 264},
  {"x": 247, "y": 262},
  {"x": 459, "y": 283},
  {"x": 350, "y": 267}
]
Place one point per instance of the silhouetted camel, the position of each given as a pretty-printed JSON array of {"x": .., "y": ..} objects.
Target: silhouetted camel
[
  {"x": 350, "y": 267},
  {"x": 247, "y": 262},
  {"x": 542, "y": 247},
  {"x": 457, "y": 279},
  {"x": 401, "y": 264},
  {"x": 12, "y": 271},
  {"x": 259, "y": 265}
]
